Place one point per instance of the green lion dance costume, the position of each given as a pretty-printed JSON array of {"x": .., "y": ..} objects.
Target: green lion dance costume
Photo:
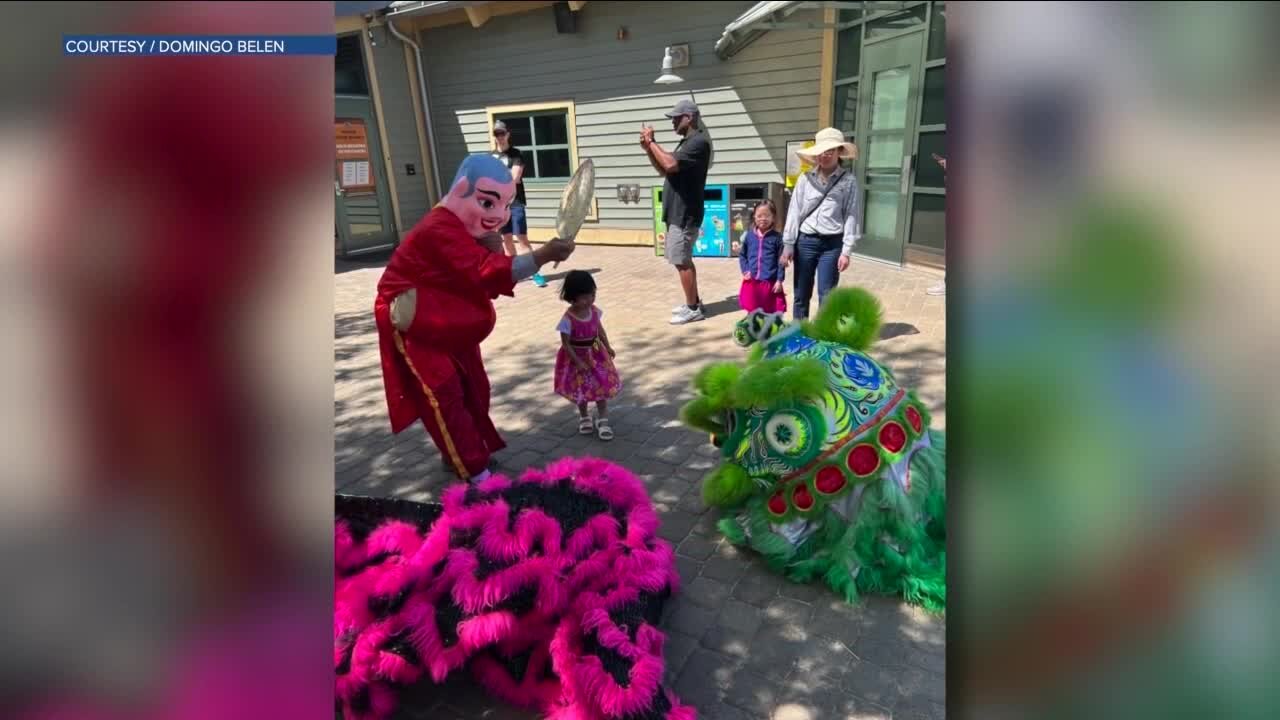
[{"x": 830, "y": 468}]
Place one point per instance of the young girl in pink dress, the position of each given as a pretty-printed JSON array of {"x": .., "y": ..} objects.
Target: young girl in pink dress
[
  {"x": 762, "y": 274},
  {"x": 584, "y": 365}
]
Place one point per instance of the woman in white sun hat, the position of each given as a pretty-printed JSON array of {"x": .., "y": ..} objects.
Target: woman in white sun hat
[{"x": 823, "y": 220}]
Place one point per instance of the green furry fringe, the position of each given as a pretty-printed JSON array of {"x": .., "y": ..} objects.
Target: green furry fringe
[
  {"x": 732, "y": 531},
  {"x": 703, "y": 414},
  {"x": 849, "y": 316},
  {"x": 898, "y": 558},
  {"x": 752, "y": 528},
  {"x": 726, "y": 486},
  {"x": 716, "y": 381},
  {"x": 715, "y": 384},
  {"x": 897, "y": 542},
  {"x": 780, "y": 379}
]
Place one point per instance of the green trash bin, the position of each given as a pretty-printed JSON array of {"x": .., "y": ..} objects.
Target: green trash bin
[{"x": 659, "y": 229}]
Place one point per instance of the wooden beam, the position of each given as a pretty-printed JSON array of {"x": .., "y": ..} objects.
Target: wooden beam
[
  {"x": 828, "y": 71},
  {"x": 576, "y": 5},
  {"x": 348, "y": 24},
  {"x": 419, "y": 23},
  {"x": 478, "y": 14}
]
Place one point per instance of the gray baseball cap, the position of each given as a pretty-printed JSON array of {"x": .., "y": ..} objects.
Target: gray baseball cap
[
  {"x": 499, "y": 127},
  {"x": 684, "y": 107}
]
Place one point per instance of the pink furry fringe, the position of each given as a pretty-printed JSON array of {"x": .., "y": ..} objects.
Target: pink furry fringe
[
  {"x": 584, "y": 676},
  {"x": 531, "y": 693},
  {"x": 507, "y": 587}
]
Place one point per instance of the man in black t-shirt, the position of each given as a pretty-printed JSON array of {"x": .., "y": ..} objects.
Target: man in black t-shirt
[
  {"x": 517, "y": 228},
  {"x": 685, "y": 171}
]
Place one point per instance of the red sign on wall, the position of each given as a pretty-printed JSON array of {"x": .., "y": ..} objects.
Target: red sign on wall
[{"x": 353, "y": 170}]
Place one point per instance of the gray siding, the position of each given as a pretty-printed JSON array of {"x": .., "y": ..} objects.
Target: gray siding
[
  {"x": 402, "y": 127},
  {"x": 752, "y": 103}
]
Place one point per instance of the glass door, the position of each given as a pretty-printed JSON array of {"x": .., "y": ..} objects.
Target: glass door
[{"x": 891, "y": 73}]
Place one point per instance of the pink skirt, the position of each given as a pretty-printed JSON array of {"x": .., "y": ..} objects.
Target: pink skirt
[{"x": 759, "y": 295}]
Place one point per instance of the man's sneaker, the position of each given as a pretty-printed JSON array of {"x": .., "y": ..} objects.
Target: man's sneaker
[
  {"x": 677, "y": 309},
  {"x": 539, "y": 280},
  {"x": 684, "y": 315},
  {"x": 939, "y": 289}
]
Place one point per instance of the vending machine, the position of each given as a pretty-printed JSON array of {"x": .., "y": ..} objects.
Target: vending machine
[
  {"x": 742, "y": 202},
  {"x": 713, "y": 235}
]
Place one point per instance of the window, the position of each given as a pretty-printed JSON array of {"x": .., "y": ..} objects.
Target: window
[
  {"x": 348, "y": 67},
  {"x": 846, "y": 114},
  {"x": 934, "y": 108},
  {"x": 896, "y": 23},
  {"x": 929, "y": 222},
  {"x": 542, "y": 135},
  {"x": 848, "y": 53},
  {"x": 938, "y": 32},
  {"x": 928, "y": 172}
]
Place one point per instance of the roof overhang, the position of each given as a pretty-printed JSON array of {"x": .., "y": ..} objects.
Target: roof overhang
[
  {"x": 347, "y": 9},
  {"x": 420, "y": 15},
  {"x": 765, "y": 16},
  {"x": 402, "y": 8}
]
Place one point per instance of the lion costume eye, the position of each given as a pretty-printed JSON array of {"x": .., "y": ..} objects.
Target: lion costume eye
[
  {"x": 788, "y": 433},
  {"x": 787, "y": 438}
]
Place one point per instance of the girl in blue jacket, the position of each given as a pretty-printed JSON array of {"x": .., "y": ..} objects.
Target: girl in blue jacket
[{"x": 762, "y": 275}]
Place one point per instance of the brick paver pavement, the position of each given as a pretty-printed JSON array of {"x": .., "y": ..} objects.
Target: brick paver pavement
[{"x": 742, "y": 644}]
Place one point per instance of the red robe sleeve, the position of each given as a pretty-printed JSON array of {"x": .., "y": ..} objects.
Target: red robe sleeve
[{"x": 464, "y": 256}]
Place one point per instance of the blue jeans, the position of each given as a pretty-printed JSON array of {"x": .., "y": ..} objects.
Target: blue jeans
[
  {"x": 815, "y": 256},
  {"x": 517, "y": 225}
]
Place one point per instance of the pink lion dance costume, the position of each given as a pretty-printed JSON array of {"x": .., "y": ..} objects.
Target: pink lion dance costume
[{"x": 548, "y": 589}]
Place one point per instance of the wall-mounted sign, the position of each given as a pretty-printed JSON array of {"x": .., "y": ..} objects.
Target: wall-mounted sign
[
  {"x": 353, "y": 171},
  {"x": 353, "y": 141},
  {"x": 797, "y": 165}
]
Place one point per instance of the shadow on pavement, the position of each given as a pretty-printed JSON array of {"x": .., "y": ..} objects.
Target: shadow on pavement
[{"x": 889, "y": 331}]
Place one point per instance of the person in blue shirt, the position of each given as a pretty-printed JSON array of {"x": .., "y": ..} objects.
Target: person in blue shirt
[{"x": 762, "y": 274}]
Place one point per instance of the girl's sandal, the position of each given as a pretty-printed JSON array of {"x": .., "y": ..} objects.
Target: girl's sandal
[
  {"x": 603, "y": 431},
  {"x": 585, "y": 426}
]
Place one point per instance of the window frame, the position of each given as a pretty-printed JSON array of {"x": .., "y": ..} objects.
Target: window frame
[
  {"x": 571, "y": 123},
  {"x": 530, "y": 110}
]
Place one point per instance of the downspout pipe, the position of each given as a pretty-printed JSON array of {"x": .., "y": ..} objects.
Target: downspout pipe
[{"x": 426, "y": 105}]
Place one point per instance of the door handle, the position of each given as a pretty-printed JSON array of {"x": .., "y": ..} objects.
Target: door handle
[{"x": 908, "y": 161}]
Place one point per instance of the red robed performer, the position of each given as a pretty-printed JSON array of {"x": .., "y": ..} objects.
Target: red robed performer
[{"x": 435, "y": 306}]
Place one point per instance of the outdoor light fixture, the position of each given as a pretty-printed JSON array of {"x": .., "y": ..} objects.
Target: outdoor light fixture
[{"x": 667, "y": 77}]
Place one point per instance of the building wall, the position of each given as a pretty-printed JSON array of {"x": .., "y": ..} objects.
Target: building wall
[
  {"x": 402, "y": 127},
  {"x": 752, "y": 103}
]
